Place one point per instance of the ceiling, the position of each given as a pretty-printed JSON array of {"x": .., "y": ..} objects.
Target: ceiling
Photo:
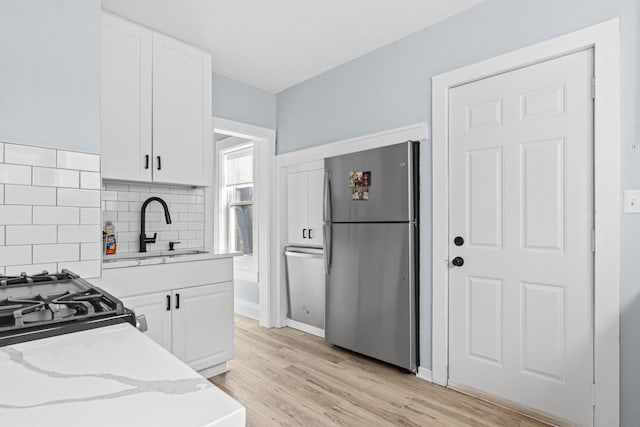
[{"x": 278, "y": 43}]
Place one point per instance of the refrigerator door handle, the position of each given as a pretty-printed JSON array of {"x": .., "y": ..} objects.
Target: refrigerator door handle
[
  {"x": 326, "y": 208},
  {"x": 326, "y": 237}
]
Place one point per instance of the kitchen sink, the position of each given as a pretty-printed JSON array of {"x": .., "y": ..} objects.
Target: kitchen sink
[{"x": 136, "y": 256}]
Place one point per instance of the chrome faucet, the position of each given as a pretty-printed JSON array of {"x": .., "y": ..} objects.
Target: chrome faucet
[{"x": 143, "y": 235}]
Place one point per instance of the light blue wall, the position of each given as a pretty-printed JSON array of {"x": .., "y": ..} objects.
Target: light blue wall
[
  {"x": 243, "y": 103},
  {"x": 391, "y": 87},
  {"x": 50, "y": 73}
]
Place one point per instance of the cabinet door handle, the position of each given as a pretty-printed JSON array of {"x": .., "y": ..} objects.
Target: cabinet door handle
[
  {"x": 168, "y": 302},
  {"x": 177, "y": 301},
  {"x": 159, "y": 163},
  {"x": 304, "y": 233},
  {"x": 146, "y": 161},
  {"x": 310, "y": 230}
]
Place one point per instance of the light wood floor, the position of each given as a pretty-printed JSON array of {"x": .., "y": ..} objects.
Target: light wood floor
[{"x": 285, "y": 377}]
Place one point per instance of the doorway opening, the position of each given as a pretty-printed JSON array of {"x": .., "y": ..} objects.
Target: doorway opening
[
  {"x": 242, "y": 217},
  {"x": 237, "y": 223}
]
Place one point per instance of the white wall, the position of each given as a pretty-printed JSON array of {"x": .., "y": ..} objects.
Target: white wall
[{"x": 50, "y": 73}]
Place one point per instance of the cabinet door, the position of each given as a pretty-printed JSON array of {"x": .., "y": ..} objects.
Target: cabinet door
[
  {"x": 126, "y": 100},
  {"x": 315, "y": 188},
  {"x": 181, "y": 111},
  {"x": 297, "y": 207},
  {"x": 156, "y": 308},
  {"x": 203, "y": 325}
]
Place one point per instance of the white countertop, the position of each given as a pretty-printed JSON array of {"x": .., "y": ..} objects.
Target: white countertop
[
  {"x": 110, "y": 376},
  {"x": 160, "y": 257}
]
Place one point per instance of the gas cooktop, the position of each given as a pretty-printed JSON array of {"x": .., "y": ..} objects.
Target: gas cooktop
[{"x": 44, "y": 305}]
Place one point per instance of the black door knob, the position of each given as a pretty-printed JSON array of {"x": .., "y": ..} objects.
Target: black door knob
[
  {"x": 458, "y": 241},
  {"x": 458, "y": 261}
]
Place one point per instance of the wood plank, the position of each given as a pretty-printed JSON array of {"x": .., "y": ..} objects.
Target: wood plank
[{"x": 286, "y": 377}]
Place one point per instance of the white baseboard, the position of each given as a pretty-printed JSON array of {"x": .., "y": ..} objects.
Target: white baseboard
[
  {"x": 305, "y": 328},
  {"x": 214, "y": 370},
  {"x": 424, "y": 374},
  {"x": 247, "y": 309}
]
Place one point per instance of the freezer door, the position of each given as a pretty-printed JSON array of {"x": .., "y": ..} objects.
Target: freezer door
[
  {"x": 390, "y": 193},
  {"x": 370, "y": 291}
]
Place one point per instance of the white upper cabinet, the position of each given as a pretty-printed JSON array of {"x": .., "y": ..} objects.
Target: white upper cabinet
[
  {"x": 156, "y": 106},
  {"x": 304, "y": 197},
  {"x": 126, "y": 100},
  {"x": 181, "y": 111}
]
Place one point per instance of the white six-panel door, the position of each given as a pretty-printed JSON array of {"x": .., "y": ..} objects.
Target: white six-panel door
[{"x": 521, "y": 197}]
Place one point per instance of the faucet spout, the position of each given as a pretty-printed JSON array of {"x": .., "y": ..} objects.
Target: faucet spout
[{"x": 143, "y": 235}]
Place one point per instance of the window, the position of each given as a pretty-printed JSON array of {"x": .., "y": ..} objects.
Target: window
[{"x": 238, "y": 187}]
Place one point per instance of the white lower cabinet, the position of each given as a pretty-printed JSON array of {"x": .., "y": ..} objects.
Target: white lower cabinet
[
  {"x": 156, "y": 308},
  {"x": 194, "y": 323}
]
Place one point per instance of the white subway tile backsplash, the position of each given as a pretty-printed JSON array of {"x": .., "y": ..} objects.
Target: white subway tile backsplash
[
  {"x": 56, "y": 253},
  {"x": 30, "y": 234},
  {"x": 126, "y": 196},
  {"x": 28, "y": 155},
  {"x": 78, "y": 161},
  {"x": 128, "y": 236},
  {"x": 187, "y": 234},
  {"x": 153, "y": 216},
  {"x": 90, "y": 216},
  {"x": 179, "y": 207},
  {"x": 79, "y": 233},
  {"x": 90, "y": 251},
  {"x": 19, "y": 215},
  {"x": 169, "y": 235},
  {"x": 15, "y": 255},
  {"x": 48, "y": 177},
  {"x": 47, "y": 222},
  {"x": 181, "y": 201},
  {"x": 56, "y": 215},
  {"x": 116, "y": 187},
  {"x": 129, "y": 216},
  {"x": 110, "y": 216},
  {"x": 86, "y": 269},
  {"x": 29, "y": 195},
  {"x": 15, "y": 174},
  {"x": 121, "y": 226},
  {"x": 14, "y": 270},
  {"x": 195, "y": 243},
  {"x": 139, "y": 188},
  {"x": 196, "y": 225},
  {"x": 135, "y": 206},
  {"x": 81, "y": 198},
  {"x": 90, "y": 180},
  {"x": 116, "y": 206},
  {"x": 109, "y": 195}
]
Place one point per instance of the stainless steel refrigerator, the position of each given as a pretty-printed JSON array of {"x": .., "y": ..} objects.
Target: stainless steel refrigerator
[{"x": 371, "y": 252}]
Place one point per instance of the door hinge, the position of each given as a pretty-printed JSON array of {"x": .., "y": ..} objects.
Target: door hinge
[
  {"x": 593, "y": 241},
  {"x": 593, "y": 87},
  {"x": 593, "y": 394}
]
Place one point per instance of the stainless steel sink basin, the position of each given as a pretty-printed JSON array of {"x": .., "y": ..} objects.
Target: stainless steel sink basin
[
  {"x": 178, "y": 252},
  {"x": 137, "y": 256}
]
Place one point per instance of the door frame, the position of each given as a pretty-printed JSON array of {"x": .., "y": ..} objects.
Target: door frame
[
  {"x": 264, "y": 159},
  {"x": 604, "y": 39}
]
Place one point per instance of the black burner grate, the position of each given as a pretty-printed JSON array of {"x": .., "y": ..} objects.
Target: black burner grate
[{"x": 50, "y": 304}]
